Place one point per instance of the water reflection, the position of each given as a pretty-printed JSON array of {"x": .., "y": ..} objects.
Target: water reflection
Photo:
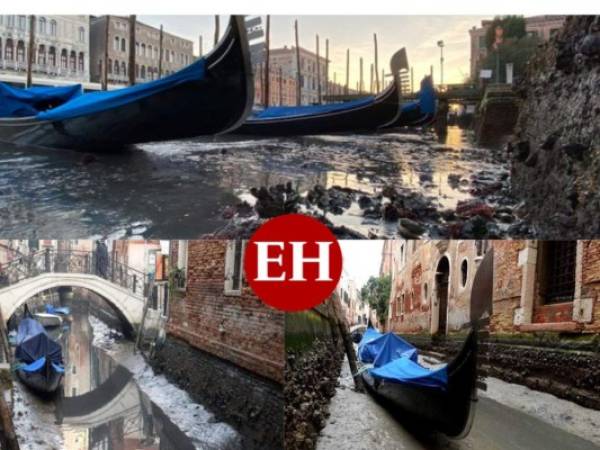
[{"x": 102, "y": 406}]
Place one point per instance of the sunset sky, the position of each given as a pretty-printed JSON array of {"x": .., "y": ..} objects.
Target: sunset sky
[{"x": 419, "y": 34}]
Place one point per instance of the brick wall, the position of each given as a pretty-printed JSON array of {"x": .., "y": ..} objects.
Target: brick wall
[
  {"x": 240, "y": 329},
  {"x": 507, "y": 285}
]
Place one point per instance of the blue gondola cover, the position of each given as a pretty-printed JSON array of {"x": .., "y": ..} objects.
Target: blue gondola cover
[
  {"x": 275, "y": 112},
  {"x": 15, "y": 102},
  {"x": 61, "y": 310},
  {"x": 33, "y": 344},
  {"x": 393, "y": 359}
]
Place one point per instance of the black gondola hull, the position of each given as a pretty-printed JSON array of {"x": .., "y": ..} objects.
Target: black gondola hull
[
  {"x": 450, "y": 411},
  {"x": 44, "y": 382},
  {"x": 217, "y": 103}
]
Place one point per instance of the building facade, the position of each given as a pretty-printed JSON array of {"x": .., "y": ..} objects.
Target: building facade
[
  {"x": 176, "y": 54},
  {"x": 545, "y": 286},
  {"x": 431, "y": 284},
  {"x": 282, "y": 86},
  {"x": 310, "y": 77},
  {"x": 62, "y": 46},
  {"x": 543, "y": 27}
]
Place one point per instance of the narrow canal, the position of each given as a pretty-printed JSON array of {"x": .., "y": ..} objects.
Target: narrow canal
[
  {"x": 188, "y": 188},
  {"x": 111, "y": 399}
]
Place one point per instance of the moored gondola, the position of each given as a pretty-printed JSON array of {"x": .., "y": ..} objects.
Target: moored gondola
[
  {"x": 440, "y": 399},
  {"x": 212, "y": 95},
  {"x": 368, "y": 114},
  {"x": 419, "y": 112},
  {"x": 40, "y": 362}
]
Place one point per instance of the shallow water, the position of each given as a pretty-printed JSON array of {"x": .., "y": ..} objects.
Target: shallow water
[
  {"x": 181, "y": 189},
  {"x": 104, "y": 404}
]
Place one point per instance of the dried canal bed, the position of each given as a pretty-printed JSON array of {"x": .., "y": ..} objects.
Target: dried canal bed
[
  {"x": 112, "y": 398},
  {"x": 190, "y": 188}
]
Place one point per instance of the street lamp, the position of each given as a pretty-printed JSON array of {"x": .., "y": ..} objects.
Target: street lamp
[{"x": 440, "y": 44}]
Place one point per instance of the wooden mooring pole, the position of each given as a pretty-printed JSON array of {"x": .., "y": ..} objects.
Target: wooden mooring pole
[
  {"x": 360, "y": 82},
  {"x": 132, "y": 22},
  {"x": 412, "y": 80},
  {"x": 30, "y": 49},
  {"x": 347, "y": 88},
  {"x": 8, "y": 437},
  {"x": 105, "y": 57},
  {"x": 200, "y": 52},
  {"x": 376, "y": 66},
  {"x": 326, "y": 66},
  {"x": 298, "y": 74},
  {"x": 371, "y": 80},
  {"x": 280, "y": 86},
  {"x": 216, "y": 29},
  {"x": 318, "y": 73},
  {"x": 267, "y": 71},
  {"x": 160, "y": 51}
]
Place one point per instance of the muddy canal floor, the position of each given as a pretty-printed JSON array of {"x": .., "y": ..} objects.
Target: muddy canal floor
[{"x": 410, "y": 184}]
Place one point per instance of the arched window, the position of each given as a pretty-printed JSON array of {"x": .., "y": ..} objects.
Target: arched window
[
  {"x": 81, "y": 34},
  {"x": 10, "y": 21},
  {"x": 155, "y": 53},
  {"x": 22, "y": 23},
  {"x": 9, "y": 50},
  {"x": 73, "y": 61},
  {"x": 150, "y": 54},
  {"x": 137, "y": 70},
  {"x": 81, "y": 62},
  {"x": 53, "y": 27},
  {"x": 143, "y": 72},
  {"x": 52, "y": 56},
  {"x": 425, "y": 293},
  {"x": 116, "y": 43},
  {"x": 20, "y": 51},
  {"x": 110, "y": 66},
  {"x": 137, "y": 48},
  {"x": 123, "y": 45},
  {"x": 42, "y": 25},
  {"x": 41, "y": 56},
  {"x": 464, "y": 272},
  {"x": 124, "y": 68},
  {"x": 63, "y": 59},
  {"x": 116, "y": 68},
  {"x": 143, "y": 50}
]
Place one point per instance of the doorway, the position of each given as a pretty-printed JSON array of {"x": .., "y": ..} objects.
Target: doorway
[{"x": 441, "y": 284}]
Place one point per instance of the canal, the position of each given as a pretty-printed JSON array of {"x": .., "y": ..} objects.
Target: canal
[
  {"x": 112, "y": 399},
  {"x": 189, "y": 188}
]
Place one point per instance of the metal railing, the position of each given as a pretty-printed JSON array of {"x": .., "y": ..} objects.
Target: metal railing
[{"x": 99, "y": 263}]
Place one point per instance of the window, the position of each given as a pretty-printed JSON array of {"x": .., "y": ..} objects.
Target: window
[
  {"x": 8, "y": 50},
  {"x": 123, "y": 68},
  {"x": 53, "y": 27},
  {"x": 464, "y": 273},
  {"x": 81, "y": 62},
  {"x": 41, "y": 59},
  {"x": 81, "y": 34},
  {"x": 20, "y": 51},
  {"x": 116, "y": 70},
  {"x": 116, "y": 43},
  {"x": 22, "y": 23},
  {"x": 234, "y": 257},
  {"x": 73, "y": 61},
  {"x": 52, "y": 56},
  {"x": 123, "y": 45},
  {"x": 425, "y": 293},
  {"x": 482, "y": 42},
  {"x": 42, "y": 25},
  {"x": 481, "y": 247},
  {"x": 109, "y": 67},
  {"x": 182, "y": 255},
  {"x": 558, "y": 271}
]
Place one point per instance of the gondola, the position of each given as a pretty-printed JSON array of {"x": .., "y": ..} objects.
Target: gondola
[
  {"x": 210, "y": 96},
  {"x": 367, "y": 114},
  {"x": 420, "y": 112},
  {"x": 40, "y": 362},
  {"x": 440, "y": 399},
  {"x": 48, "y": 320}
]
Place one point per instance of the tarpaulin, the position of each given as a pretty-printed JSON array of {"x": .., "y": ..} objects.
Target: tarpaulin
[
  {"x": 405, "y": 370},
  {"x": 378, "y": 349},
  {"x": 427, "y": 96},
  {"x": 34, "y": 343},
  {"x": 15, "y": 102},
  {"x": 274, "y": 112},
  {"x": 62, "y": 310},
  {"x": 95, "y": 102}
]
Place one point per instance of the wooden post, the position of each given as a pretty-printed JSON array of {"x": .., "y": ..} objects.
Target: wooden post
[
  {"x": 346, "y": 89},
  {"x": 160, "y": 52},
  {"x": 431, "y": 72},
  {"x": 298, "y": 75},
  {"x": 371, "y": 80},
  {"x": 9, "y": 436},
  {"x": 360, "y": 82},
  {"x": 412, "y": 80},
  {"x": 376, "y": 67},
  {"x": 261, "y": 81},
  {"x": 200, "y": 52},
  {"x": 335, "y": 88},
  {"x": 131, "y": 72},
  {"x": 31, "y": 49},
  {"x": 326, "y": 66},
  {"x": 216, "y": 29},
  {"x": 318, "y": 73},
  {"x": 105, "y": 58},
  {"x": 382, "y": 79},
  {"x": 280, "y": 86},
  {"x": 267, "y": 71}
]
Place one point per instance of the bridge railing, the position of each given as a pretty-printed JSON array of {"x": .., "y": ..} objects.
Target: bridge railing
[{"x": 97, "y": 263}]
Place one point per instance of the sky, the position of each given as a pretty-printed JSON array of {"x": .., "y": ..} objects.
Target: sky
[
  {"x": 361, "y": 259},
  {"x": 419, "y": 34}
]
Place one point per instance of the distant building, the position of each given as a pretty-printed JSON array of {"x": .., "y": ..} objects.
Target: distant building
[
  {"x": 62, "y": 47},
  {"x": 282, "y": 86},
  {"x": 431, "y": 284},
  {"x": 543, "y": 27},
  {"x": 350, "y": 301},
  {"x": 309, "y": 76},
  {"x": 177, "y": 51}
]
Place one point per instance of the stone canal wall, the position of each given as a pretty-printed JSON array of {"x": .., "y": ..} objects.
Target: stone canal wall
[
  {"x": 556, "y": 154},
  {"x": 252, "y": 404}
]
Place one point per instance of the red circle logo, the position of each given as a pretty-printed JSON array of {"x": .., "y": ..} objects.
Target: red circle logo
[{"x": 293, "y": 262}]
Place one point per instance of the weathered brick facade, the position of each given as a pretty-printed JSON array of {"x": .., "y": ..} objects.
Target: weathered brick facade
[
  {"x": 237, "y": 328},
  {"x": 519, "y": 303}
]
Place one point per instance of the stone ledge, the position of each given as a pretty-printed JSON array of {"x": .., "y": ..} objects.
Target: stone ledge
[{"x": 552, "y": 326}]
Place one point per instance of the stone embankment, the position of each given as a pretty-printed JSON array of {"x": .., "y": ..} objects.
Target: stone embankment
[{"x": 556, "y": 153}]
